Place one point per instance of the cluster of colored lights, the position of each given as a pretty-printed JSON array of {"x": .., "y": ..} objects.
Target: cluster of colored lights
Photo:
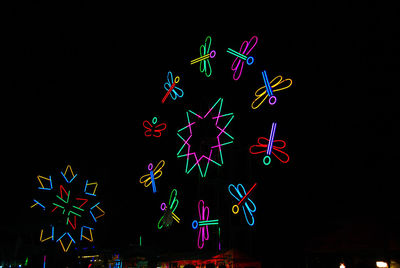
[{"x": 83, "y": 205}]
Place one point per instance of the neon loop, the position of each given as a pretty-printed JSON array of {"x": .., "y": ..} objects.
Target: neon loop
[
  {"x": 153, "y": 130},
  {"x": 248, "y": 206},
  {"x": 202, "y": 224},
  {"x": 277, "y": 84},
  {"x": 241, "y": 56}
]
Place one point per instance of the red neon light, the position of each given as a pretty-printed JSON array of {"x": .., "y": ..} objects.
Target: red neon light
[
  {"x": 262, "y": 146},
  {"x": 169, "y": 91},
  {"x": 83, "y": 202},
  {"x": 74, "y": 225},
  {"x": 244, "y": 197},
  {"x": 61, "y": 190},
  {"x": 153, "y": 130}
]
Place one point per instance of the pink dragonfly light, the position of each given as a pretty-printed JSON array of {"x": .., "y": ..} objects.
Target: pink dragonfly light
[
  {"x": 203, "y": 224},
  {"x": 242, "y": 56}
]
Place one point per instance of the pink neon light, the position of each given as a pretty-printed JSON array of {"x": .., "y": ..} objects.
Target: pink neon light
[
  {"x": 218, "y": 146},
  {"x": 237, "y": 65},
  {"x": 262, "y": 146},
  {"x": 203, "y": 235},
  {"x": 153, "y": 130}
]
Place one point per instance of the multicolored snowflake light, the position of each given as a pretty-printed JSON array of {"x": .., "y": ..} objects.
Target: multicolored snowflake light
[
  {"x": 213, "y": 152},
  {"x": 72, "y": 208}
]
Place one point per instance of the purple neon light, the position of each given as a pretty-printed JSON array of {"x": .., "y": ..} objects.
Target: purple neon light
[{"x": 271, "y": 138}]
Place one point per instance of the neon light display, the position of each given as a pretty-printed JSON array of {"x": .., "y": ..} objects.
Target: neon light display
[
  {"x": 152, "y": 129},
  {"x": 204, "y": 59},
  {"x": 272, "y": 98},
  {"x": 269, "y": 146},
  {"x": 275, "y": 85},
  {"x": 171, "y": 88},
  {"x": 72, "y": 205},
  {"x": 153, "y": 175},
  {"x": 169, "y": 211},
  {"x": 214, "y": 155},
  {"x": 248, "y": 206},
  {"x": 203, "y": 224},
  {"x": 241, "y": 56}
]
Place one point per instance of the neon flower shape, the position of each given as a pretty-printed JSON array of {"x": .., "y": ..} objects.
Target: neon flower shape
[
  {"x": 152, "y": 129},
  {"x": 248, "y": 206},
  {"x": 269, "y": 146},
  {"x": 72, "y": 206},
  {"x": 203, "y": 223},
  {"x": 214, "y": 155},
  {"x": 169, "y": 211}
]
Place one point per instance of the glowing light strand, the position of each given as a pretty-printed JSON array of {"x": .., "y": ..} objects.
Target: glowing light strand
[
  {"x": 153, "y": 175},
  {"x": 189, "y": 154},
  {"x": 153, "y": 130},
  {"x": 248, "y": 207}
]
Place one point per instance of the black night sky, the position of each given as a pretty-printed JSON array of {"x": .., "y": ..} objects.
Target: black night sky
[{"x": 83, "y": 78}]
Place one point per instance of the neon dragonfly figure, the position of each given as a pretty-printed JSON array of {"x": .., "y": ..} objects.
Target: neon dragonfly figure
[
  {"x": 203, "y": 224},
  {"x": 152, "y": 129},
  {"x": 153, "y": 175},
  {"x": 242, "y": 56},
  {"x": 268, "y": 90},
  {"x": 169, "y": 211},
  {"x": 204, "y": 59},
  {"x": 248, "y": 206},
  {"x": 171, "y": 88},
  {"x": 269, "y": 146}
]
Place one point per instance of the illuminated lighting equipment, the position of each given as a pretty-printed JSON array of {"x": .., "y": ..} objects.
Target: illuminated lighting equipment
[
  {"x": 269, "y": 146},
  {"x": 203, "y": 224},
  {"x": 153, "y": 130},
  {"x": 169, "y": 212},
  {"x": 248, "y": 207},
  {"x": 275, "y": 85},
  {"x": 342, "y": 265},
  {"x": 241, "y": 56},
  {"x": 381, "y": 264},
  {"x": 71, "y": 173},
  {"x": 38, "y": 203},
  {"x": 205, "y": 55},
  {"x": 272, "y": 98},
  {"x": 140, "y": 241},
  {"x": 62, "y": 244},
  {"x": 50, "y": 237},
  {"x": 44, "y": 261},
  {"x": 90, "y": 232},
  {"x": 153, "y": 175},
  {"x": 93, "y": 193},
  {"x": 221, "y": 128},
  {"x": 40, "y": 178},
  {"x": 171, "y": 88},
  {"x": 75, "y": 209}
]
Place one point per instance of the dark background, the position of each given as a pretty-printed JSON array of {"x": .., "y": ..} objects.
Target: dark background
[{"x": 82, "y": 78}]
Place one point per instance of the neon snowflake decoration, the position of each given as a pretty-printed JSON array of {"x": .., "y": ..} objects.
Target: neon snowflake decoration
[
  {"x": 213, "y": 151},
  {"x": 70, "y": 206}
]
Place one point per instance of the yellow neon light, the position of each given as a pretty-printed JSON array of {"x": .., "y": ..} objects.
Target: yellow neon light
[
  {"x": 101, "y": 211},
  {"x": 175, "y": 217},
  {"x": 70, "y": 169},
  {"x": 91, "y": 236},
  {"x": 95, "y": 187},
  {"x": 261, "y": 93},
  {"x": 41, "y": 177},
  {"x": 146, "y": 179},
  {"x": 200, "y": 59},
  {"x": 62, "y": 245},
  {"x": 41, "y": 235}
]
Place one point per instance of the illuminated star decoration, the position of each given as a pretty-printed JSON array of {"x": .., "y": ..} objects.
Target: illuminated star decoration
[
  {"x": 73, "y": 208},
  {"x": 214, "y": 155}
]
